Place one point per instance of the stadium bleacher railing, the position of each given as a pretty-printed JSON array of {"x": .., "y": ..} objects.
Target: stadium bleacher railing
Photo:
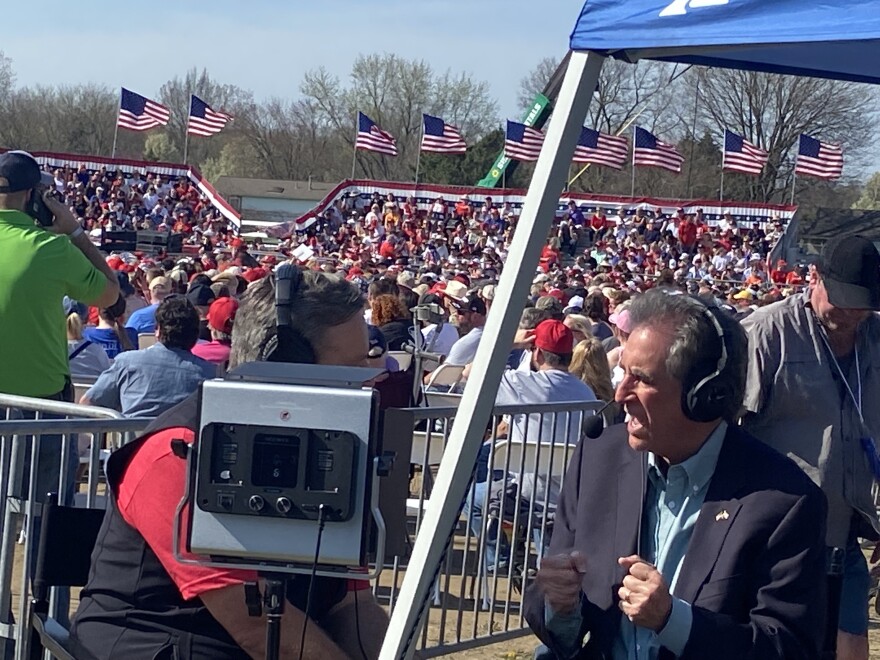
[{"x": 426, "y": 194}]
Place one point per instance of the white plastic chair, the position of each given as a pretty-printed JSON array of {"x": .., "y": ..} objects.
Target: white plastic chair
[
  {"x": 446, "y": 376},
  {"x": 404, "y": 359},
  {"x": 442, "y": 400}
]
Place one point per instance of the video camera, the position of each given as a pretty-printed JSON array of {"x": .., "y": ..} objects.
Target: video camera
[
  {"x": 430, "y": 313},
  {"x": 277, "y": 464}
]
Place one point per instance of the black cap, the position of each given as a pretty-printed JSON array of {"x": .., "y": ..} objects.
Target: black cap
[
  {"x": 470, "y": 304},
  {"x": 850, "y": 269},
  {"x": 18, "y": 171},
  {"x": 200, "y": 295}
]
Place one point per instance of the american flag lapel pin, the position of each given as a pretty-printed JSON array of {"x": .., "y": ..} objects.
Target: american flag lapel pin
[{"x": 722, "y": 515}]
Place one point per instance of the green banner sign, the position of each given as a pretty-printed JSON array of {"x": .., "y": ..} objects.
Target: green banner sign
[{"x": 532, "y": 116}]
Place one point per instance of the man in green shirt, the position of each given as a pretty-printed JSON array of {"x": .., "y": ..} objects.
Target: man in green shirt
[{"x": 38, "y": 267}]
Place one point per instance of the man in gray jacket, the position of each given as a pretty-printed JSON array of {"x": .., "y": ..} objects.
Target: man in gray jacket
[{"x": 812, "y": 394}]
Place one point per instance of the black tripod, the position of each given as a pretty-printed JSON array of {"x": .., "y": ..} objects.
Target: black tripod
[{"x": 272, "y": 602}]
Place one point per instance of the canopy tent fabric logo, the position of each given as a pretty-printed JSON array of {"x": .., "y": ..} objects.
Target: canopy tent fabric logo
[{"x": 680, "y": 7}]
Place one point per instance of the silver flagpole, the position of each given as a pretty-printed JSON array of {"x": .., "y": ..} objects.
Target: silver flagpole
[
  {"x": 419, "y": 156},
  {"x": 186, "y": 135},
  {"x": 116, "y": 130},
  {"x": 632, "y": 190},
  {"x": 793, "y": 183},
  {"x": 355, "y": 152},
  {"x": 723, "y": 160}
]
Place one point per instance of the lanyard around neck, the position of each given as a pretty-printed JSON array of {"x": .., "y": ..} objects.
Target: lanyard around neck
[{"x": 857, "y": 400}]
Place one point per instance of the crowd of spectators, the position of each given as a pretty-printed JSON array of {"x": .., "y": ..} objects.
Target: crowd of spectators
[
  {"x": 107, "y": 200},
  {"x": 365, "y": 237},
  {"x": 401, "y": 254}
]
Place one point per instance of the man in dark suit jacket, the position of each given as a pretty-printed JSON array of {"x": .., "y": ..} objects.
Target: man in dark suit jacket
[{"x": 678, "y": 535}]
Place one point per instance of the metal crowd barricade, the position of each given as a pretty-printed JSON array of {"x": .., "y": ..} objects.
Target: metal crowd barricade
[
  {"x": 473, "y": 604},
  {"x": 67, "y": 420}
]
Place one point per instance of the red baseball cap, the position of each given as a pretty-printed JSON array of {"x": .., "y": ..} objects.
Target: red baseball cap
[
  {"x": 559, "y": 294},
  {"x": 254, "y": 274},
  {"x": 221, "y": 314},
  {"x": 554, "y": 336}
]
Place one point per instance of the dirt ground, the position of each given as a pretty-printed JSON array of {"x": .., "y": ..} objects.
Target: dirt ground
[{"x": 454, "y": 591}]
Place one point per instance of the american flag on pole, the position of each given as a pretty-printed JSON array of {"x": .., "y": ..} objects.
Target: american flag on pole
[
  {"x": 819, "y": 159},
  {"x": 139, "y": 113},
  {"x": 601, "y": 149},
  {"x": 740, "y": 155},
  {"x": 441, "y": 138},
  {"x": 203, "y": 120},
  {"x": 522, "y": 142},
  {"x": 648, "y": 151},
  {"x": 373, "y": 138}
]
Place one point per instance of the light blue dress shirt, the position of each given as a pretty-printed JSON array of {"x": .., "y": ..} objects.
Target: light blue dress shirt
[
  {"x": 147, "y": 383},
  {"x": 671, "y": 509}
]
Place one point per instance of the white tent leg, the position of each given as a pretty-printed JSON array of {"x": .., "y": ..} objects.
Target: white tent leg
[{"x": 479, "y": 393}]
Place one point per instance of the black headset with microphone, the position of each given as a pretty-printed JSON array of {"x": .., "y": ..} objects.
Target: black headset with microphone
[
  {"x": 703, "y": 399},
  {"x": 284, "y": 343}
]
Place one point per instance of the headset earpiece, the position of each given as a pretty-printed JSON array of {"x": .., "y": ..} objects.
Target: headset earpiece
[
  {"x": 284, "y": 344},
  {"x": 706, "y": 399}
]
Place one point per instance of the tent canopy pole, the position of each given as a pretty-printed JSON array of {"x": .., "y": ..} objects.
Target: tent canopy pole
[{"x": 478, "y": 399}]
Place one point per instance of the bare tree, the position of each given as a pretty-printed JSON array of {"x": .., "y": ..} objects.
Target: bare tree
[
  {"x": 395, "y": 92},
  {"x": 773, "y": 110},
  {"x": 535, "y": 81},
  {"x": 7, "y": 76},
  {"x": 645, "y": 93},
  {"x": 175, "y": 94},
  {"x": 74, "y": 118}
]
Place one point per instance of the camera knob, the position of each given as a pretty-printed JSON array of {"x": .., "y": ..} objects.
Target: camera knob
[
  {"x": 256, "y": 503},
  {"x": 283, "y": 505}
]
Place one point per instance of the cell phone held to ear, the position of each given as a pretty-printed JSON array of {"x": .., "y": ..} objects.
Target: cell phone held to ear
[{"x": 38, "y": 210}]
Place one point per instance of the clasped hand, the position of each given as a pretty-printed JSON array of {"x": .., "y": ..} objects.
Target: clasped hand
[{"x": 644, "y": 595}]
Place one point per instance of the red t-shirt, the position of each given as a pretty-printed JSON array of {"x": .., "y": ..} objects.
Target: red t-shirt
[
  {"x": 687, "y": 233},
  {"x": 778, "y": 276},
  {"x": 148, "y": 495},
  {"x": 386, "y": 250}
]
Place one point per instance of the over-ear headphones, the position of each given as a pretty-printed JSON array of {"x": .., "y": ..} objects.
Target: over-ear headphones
[
  {"x": 705, "y": 399},
  {"x": 284, "y": 343}
]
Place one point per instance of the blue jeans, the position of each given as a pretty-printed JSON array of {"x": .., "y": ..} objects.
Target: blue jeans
[
  {"x": 853, "y": 617},
  {"x": 473, "y": 508}
]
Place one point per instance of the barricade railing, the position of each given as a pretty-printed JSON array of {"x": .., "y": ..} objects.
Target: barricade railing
[
  {"x": 25, "y": 425},
  {"x": 505, "y": 523},
  {"x": 504, "y": 527}
]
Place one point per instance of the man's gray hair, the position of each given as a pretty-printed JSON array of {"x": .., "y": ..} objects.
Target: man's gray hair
[
  {"x": 696, "y": 347},
  {"x": 321, "y": 301},
  {"x": 531, "y": 317}
]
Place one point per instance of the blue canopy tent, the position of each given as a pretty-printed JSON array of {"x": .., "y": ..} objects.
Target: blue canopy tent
[{"x": 838, "y": 39}]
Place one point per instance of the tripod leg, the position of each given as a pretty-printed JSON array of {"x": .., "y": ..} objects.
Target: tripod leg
[{"x": 274, "y": 612}]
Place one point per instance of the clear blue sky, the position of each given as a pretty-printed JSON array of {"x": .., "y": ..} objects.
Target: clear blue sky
[{"x": 266, "y": 45}]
